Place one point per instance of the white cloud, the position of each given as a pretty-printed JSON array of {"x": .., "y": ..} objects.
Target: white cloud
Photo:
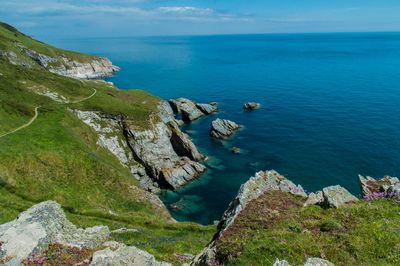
[{"x": 186, "y": 10}]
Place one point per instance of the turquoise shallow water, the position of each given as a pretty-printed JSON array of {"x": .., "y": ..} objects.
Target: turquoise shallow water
[{"x": 330, "y": 105}]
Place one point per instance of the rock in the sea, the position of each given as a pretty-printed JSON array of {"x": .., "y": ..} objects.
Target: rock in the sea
[
  {"x": 235, "y": 150},
  {"x": 41, "y": 225},
  {"x": 187, "y": 108},
  {"x": 336, "y": 196},
  {"x": 314, "y": 198},
  {"x": 387, "y": 184},
  {"x": 207, "y": 108},
  {"x": 118, "y": 254},
  {"x": 251, "y": 106},
  {"x": 318, "y": 262},
  {"x": 223, "y": 128}
]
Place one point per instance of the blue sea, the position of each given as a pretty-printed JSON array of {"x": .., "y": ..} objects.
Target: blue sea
[{"x": 330, "y": 105}]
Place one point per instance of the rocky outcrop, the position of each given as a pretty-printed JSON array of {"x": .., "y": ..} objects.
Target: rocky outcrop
[
  {"x": 309, "y": 262},
  {"x": 45, "y": 224},
  {"x": 159, "y": 157},
  {"x": 255, "y": 187},
  {"x": 336, "y": 196},
  {"x": 388, "y": 186},
  {"x": 318, "y": 262},
  {"x": 190, "y": 110},
  {"x": 155, "y": 151},
  {"x": 118, "y": 254},
  {"x": 330, "y": 197},
  {"x": 207, "y": 108},
  {"x": 98, "y": 67},
  {"x": 251, "y": 106},
  {"x": 222, "y": 128},
  {"x": 41, "y": 225}
]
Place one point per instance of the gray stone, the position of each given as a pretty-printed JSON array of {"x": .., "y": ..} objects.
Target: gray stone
[
  {"x": 222, "y": 128},
  {"x": 251, "y": 106},
  {"x": 314, "y": 198},
  {"x": 318, "y": 262},
  {"x": 187, "y": 108},
  {"x": 41, "y": 225},
  {"x": 118, "y": 254},
  {"x": 279, "y": 262},
  {"x": 207, "y": 108},
  {"x": 336, "y": 196}
]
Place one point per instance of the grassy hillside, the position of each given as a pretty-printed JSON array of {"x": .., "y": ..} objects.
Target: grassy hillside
[
  {"x": 276, "y": 226},
  {"x": 57, "y": 158},
  {"x": 10, "y": 36}
]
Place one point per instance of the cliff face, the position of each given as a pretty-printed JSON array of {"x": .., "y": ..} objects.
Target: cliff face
[{"x": 159, "y": 157}]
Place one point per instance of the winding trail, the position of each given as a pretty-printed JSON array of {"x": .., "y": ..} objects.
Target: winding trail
[
  {"x": 25, "y": 125},
  {"x": 37, "y": 113}
]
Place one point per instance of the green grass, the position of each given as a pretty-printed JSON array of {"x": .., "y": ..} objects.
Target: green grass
[
  {"x": 57, "y": 158},
  {"x": 276, "y": 226},
  {"x": 10, "y": 35}
]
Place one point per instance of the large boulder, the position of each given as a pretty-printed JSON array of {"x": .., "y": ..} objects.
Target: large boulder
[
  {"x": 387, "y": 185},
  {"x": 41, "y": 225},
  {"x": 222, "y": 128},
  {"x": 118, "y": 254},
  {"x": 318, "y": 262},
  {"x": 187, "y": 108},
  {"x": 336, "y": 196}
]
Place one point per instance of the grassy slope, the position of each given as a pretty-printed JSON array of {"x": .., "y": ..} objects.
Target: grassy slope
[
  {"x": 57, "y": 158},
  {"x": 276, "y": 226},
  {"x": 9, "y": 36}
]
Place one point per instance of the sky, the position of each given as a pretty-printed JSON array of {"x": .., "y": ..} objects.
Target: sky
[{"x": 117, "y": 18}]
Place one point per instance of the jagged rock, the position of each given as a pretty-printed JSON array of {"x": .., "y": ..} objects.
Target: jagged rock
[
  {"x": 97, "y": 68},
  {"x": 314, "y": 198},
  {"x": 222, "y": 128},
  {"x": 155, "y": 151},
  {"x": 187, "y": 108},
  {"x": 251, "y": 106},
  {"x": 318, "y": 262},
  {"x": 118, "y": 254},
  {"x": 207, "y": 108},
  {"x": 183, "y": 145},
  {"x": 125, "y": 230},
  {"x": 41, "y": 225},
  {"x": 336, "y": 196},
  {"x": 255, "y": 187},
  {"x": 387, "y": 184}
]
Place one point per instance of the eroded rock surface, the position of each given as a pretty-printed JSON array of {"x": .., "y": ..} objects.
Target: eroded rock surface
[
  {"x": 190, "y": 110},
  {"x": 318, "y": 262},
  {"x": 222, "y": 128},
  {"x": 255, "y": 187},
  {"x": 41, "y": 225},
  {"x": 161, "y": 156},
  {"x": 387, "y": 184},
  {"x": 336, "y": 196},
  {"x": 118, "y": 254}
]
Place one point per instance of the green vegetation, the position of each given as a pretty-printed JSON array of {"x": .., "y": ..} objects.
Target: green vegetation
[
  {"x": 57, "y": 158},
  {"x": 277, "y": 226},
  {"x": 10, "y": 36}
]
